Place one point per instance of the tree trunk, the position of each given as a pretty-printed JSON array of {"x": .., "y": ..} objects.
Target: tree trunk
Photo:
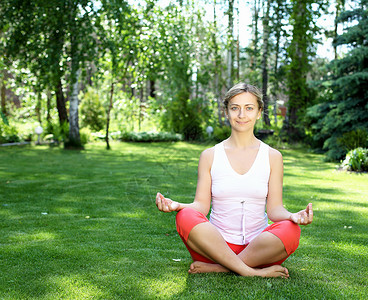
[
  {"x": 140, "y": 109},
  {"x": 217, "y": 67},
  {"x": 48, "y": 107},
  {"x": 230, "y": 41},
  {"x": 60, "y": 103},
  {"x": 277, "y": 32},
  {"x": 74, "y": 136},
  {"x": 253, "y": 58},
  {"x": 38, "y": 107},
  {"x": 339, "y": 5},
  {"x": 266, "y": 31},
  {"x": 152, "y": 89},
  {"x": 3, "y": 98},
  {"x": 109, "y": 108}
]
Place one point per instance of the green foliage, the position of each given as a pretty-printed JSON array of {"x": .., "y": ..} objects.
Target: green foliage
[
  {"x": 184, "y": 116},
  {"x": 92, "y": 111},
  {"x": 149, "y": 137},
  {"x": 300, "y": 50},
  {"x": 354, "y": 139},
  {"x": 344, "y": 112},
  {"x": 8, "y": 134},
  {"x": 221, "y": 133},
  {"x": 85, "y": 135},
  {"x": 57, "y": 133},
  {"x": 356, "y": 160},
  {"x": 4, "y": 118},
  {"x": 276, "y": 142}
]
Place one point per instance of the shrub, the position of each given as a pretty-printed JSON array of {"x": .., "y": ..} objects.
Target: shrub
[
  {"x": 8, "y": 134},
  {"x": 184, "y": 116},
  {"x": 356, "y": 160},
  {"x": 93, "y": 114},
  {"x": 57, "y": 133},
  {"x": 150, "y": 137},
  {"x": 85, "y": 135},
  {"x": 354, "y": 139},
  {"x": 275, "y": 141},
  {"x": 221, "y": 133}
]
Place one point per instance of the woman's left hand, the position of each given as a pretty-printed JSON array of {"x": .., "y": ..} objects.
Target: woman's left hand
[{"x": 304, "y": 217}]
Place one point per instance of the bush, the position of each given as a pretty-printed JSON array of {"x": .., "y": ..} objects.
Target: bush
[
  {"x": 221, "y": 133},
  {"x": 57, "y": 133},
  {"x": 150, "y": 137},
  {"x": 184, "y": 116},
  {"x": 275, "y": 141},
  {"x": 354, "y": 139},
  {"x": 8, "y": 134},
  {"x": 85, "y": 135},
  {"x": 356, "y": 160},
  {"x": 92, "y": 112}
]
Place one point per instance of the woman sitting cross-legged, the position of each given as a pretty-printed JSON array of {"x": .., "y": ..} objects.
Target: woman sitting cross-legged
[{"x": 242, "y": 178}]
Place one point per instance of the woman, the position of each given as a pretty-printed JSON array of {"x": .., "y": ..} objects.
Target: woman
[{"x": 240, "y": 176}]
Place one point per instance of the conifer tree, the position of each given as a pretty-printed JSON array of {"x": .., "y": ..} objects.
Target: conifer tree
[{"x": 343, "y": 117}]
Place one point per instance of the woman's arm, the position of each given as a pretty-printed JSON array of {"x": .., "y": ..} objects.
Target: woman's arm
[
  {"x": 275, "y": 208},
  {"x": 202, "y": 200}
]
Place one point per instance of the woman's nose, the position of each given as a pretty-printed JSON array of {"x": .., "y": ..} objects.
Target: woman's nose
[{"x": 241, "y": 112}]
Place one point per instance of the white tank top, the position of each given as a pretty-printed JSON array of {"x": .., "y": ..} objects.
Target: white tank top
[{"x": 239, "y": 201}]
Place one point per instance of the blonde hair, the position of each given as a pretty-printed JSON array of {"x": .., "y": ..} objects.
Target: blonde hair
[{"x": 243, "y": 88}]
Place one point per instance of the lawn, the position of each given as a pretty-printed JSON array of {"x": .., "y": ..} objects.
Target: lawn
[{"x": 83, "y": 225}]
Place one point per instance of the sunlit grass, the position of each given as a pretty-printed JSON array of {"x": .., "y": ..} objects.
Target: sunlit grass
[{"x": 83, "y": 225}]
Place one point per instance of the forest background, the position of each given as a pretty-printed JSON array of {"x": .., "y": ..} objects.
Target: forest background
[{"x": 112, "y": 69}]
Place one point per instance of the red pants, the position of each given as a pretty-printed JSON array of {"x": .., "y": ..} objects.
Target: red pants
[{"x": 287, "y": 231}]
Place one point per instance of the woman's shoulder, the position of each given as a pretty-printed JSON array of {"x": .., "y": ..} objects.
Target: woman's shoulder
[
  {"x": 274, "y": 154},
  {"x": 207, "y": 156},
  {"x": 208, "y": 153}
]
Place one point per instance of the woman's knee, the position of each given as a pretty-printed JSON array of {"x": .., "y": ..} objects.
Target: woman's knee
[
  {"x": 293, "y": 236},
  {"x": 288, "y": 232},
  {"x": 186, "y": 219}
]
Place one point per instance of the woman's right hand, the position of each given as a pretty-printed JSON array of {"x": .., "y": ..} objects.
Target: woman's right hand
[{"x": 166, "y": 204}]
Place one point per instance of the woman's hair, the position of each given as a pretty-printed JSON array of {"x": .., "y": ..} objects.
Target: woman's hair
[{"x": 243, "y": 88}]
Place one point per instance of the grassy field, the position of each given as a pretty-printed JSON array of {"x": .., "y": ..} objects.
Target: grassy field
[{"x": 83, "y": 225}]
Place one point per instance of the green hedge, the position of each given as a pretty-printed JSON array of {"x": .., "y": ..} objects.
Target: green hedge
[{"x": 150, "y": 137}]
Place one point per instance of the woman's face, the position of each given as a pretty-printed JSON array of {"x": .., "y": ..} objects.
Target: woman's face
[{"x": 243, "y": 112}]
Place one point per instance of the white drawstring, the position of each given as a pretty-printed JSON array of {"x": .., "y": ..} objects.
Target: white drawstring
[{"x": 243, "y": 221}]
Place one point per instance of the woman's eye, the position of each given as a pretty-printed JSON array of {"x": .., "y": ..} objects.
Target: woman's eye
[
  {"x": 234, "y": 108},
  {"x": 249, "y": 108}
]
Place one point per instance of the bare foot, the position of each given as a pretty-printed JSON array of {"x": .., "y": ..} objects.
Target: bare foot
[
  {"x": 202, "y": 267},
  {"x": 274, "y": 271}
]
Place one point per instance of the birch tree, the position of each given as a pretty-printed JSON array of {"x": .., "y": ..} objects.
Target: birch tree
[
  {"x": 265, "y": 54},
  {"x": 230, "y": 42}
]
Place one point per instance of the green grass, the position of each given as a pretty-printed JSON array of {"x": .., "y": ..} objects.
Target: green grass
[{"x": 83, "y": 225}]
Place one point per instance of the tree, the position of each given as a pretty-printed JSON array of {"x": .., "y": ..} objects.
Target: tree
[
  {"x": 230, "y": 42},
  {"x": 255, "y": 32},
  {"x": 34, "y": 36},
  {"x": 118, "y": 23},
  {"x": 344, "y": 112},
  {"x": 278, "y": 51},
  {"x": 265, "y": 54},
  {"x": 300, "y": 51},
  {"x": 217, "y": 66},
  {"x": 339, "y": 6}
]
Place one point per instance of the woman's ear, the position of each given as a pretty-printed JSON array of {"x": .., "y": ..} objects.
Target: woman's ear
[{"x": 259, "y": 114}]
